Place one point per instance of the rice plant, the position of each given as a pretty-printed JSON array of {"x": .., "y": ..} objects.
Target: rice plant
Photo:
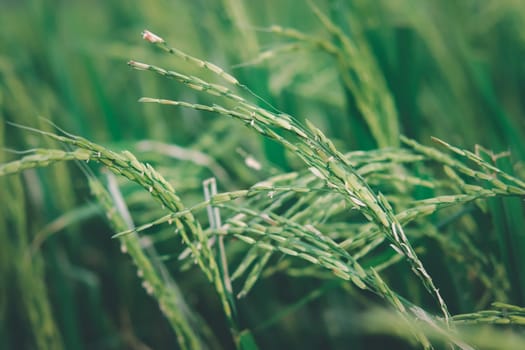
[{"x": 317, "y": 193}]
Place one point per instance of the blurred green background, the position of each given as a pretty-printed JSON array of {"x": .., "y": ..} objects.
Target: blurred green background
[{"x": 453, "y": 69}]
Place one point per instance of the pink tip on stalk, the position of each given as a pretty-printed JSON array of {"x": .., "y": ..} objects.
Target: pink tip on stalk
[
  {"x": 152, "y": 38},
  {"x": 138, "y": 65}
]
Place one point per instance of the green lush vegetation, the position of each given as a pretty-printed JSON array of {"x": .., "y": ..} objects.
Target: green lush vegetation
[{"x": 262, "y": 174}]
